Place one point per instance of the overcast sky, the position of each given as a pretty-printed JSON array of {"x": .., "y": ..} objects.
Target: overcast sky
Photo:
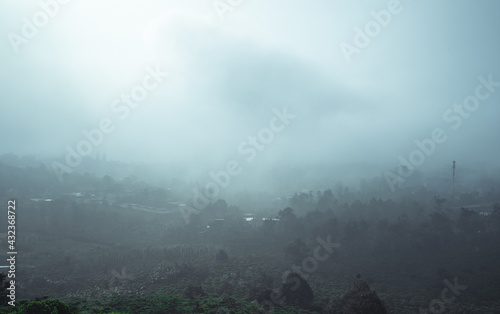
[{"x": 228, "y": 71}]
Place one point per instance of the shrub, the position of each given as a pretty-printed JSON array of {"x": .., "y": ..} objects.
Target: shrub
[
  {"x": 192, "y": 292},
  {"x": 362, "y": 300},
  {"x": 46, "y": 306},
  {"x": 296, "y": 291}
]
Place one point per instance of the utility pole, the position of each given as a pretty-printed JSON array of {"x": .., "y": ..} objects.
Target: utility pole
[{"x": 453, "y": 180}]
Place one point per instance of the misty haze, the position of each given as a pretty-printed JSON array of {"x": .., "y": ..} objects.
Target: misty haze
[{"x": 236, "y": 156}]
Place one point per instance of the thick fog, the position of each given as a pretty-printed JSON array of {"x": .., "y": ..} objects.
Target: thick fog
[
  {"x": 245, "y": 156},
  {"x": 185, "y": 83}
]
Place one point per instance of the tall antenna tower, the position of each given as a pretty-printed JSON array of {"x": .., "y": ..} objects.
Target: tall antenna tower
[{"x": 453, "y": 180}]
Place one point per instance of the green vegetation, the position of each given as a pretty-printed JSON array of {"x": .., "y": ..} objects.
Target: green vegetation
[{"x": 150, "y": 304}]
